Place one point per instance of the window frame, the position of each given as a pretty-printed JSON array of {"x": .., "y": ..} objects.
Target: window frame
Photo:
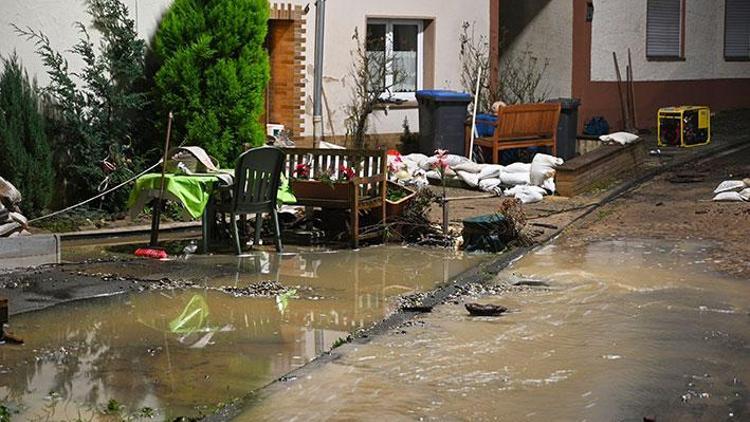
[
  {"x": 681, "y": 54},
  {"x": 389, "y": 23},
  {"x": 728, "y": 58}
]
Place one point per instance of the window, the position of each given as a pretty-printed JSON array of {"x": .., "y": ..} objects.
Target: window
[
  {"x": 664, "y": 29},
  {"x": 737, "y": 30},
  {"x": 395, "y": 47}
]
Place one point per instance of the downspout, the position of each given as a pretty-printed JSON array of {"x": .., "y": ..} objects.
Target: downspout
[{"x": 320, "y": 19}]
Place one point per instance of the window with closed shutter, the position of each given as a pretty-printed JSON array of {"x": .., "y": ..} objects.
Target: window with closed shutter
[
  {"x": 737, "y": 30},
  {"x": 664, "y": 28}
]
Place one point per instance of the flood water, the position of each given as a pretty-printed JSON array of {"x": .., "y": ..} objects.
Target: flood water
[
  {"x": 184, "y": 352},
  {"x": 624, "y": 330}
]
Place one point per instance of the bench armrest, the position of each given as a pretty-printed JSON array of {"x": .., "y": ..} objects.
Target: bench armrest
[{"x": 368, "y": 180}]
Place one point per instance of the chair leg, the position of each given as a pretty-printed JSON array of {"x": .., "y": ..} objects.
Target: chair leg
[
  {"x": 277, "y": 229},
  {"x": 235, "y": 233},
  {"x": 258, "y": 227},
  {"x": 205, "y": 230}
]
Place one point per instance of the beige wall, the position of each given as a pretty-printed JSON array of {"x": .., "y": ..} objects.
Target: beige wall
[
  {"x": 544, "y": 27},
  {"x": 56, "y": 17},
  {"x": 619, "y": 25}
]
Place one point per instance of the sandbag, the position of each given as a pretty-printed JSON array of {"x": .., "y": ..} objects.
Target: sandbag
[
  {"x": 416, "y": 158},
  {"x": 451, "y": 159},
  {"x": 490, "y": 171},
  {"x": 728, "y": 197},
  {"x": 539, "y": 173},
  {"x": 549, "y": 185},
  {"x": 9, "y": 195},
  {"x": 745, "y": 194},
  {"x": 469, "y": 167},
  {"x": 549, "y": 160},
  {"x": 524, "y": 188},
  {"x": 488, "y": 185},
  {"x": 622, "y": 138},
  {"x": 528, "y": 196},
  {"x": 471, "y": 179},
  {"x": 730, "y": 185},
  {"x": 513, "y": 179},
  {"x": 517, "y": 168}
]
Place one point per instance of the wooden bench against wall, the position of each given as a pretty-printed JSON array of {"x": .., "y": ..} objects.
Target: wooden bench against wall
[
  {"x": 367, "y": 191},
  {"x": 520, "y": 126}
]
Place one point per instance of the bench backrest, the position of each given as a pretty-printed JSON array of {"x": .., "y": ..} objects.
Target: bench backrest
[
  {"x": 528, "y": 120},
  {"x": 366, "y": 163}
]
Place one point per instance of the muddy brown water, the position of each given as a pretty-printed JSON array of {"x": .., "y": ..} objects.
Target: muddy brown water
[
  {"x": 625, "y": 330},
  {"x": 184, "y": 352}
]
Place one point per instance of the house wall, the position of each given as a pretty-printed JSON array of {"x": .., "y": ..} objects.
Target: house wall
[
  {"x": 343, "y": 16},
  {"x": 56, "y": 17},
  {"x": 619, "y": 25},
  {"x": 703, "y": 78},
  {"x": 543, "y": 28}
]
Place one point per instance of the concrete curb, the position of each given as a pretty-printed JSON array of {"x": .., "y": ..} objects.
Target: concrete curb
[{"x": 27, "y": 251}]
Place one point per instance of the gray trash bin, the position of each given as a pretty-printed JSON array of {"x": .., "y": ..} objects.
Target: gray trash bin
[
  {"x": 567, "y": 129},
  {"x": 441, "y": 120}
]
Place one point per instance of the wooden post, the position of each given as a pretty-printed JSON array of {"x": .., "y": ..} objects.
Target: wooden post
[{"x": 445, "y": 217}]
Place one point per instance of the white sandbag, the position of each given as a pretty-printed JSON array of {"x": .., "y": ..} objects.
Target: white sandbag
[
  {"x": 515, "y": 190},
  {"x": 451, "y": 159},
  {"x": 517, "y": 168},
  {"x": 540, "y": 172},
  {"x": 433, "y": 174},
  {"x": 549, "y": 185},
  {"x": 622, "y": 138},
  {"x": 730, "y": 185},
  {"x": 490, "y": 171},
  {"x": 548, "y": 160},
  {"x": 469, "y": 167},
  {"x": 488, "y": 185},
  {"x": 745, "y": 194},
  {"x": 529, "y": 197},
  {"x": 471, "y": 179},
  {"x": 20, "y": 219},
  {"x": 328, "y": 145},
  {"x": 728, "y": 197},
  {"x": 415, "y": 158},
  {"x": 513, "y": 179}
]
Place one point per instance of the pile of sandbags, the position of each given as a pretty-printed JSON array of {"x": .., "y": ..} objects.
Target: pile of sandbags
[
  {"x": 12, "y": 222},
  {"x": 733, "y": 191},
  {"x": 531, "y": 180}
]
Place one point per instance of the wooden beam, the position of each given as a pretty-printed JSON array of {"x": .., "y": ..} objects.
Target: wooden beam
[{"x": 494, "y": 43}]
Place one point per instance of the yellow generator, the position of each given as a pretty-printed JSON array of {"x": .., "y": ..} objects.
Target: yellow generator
[{"x": 684, "y": 126}]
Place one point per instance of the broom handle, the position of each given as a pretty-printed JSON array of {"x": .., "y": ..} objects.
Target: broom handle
[{"x": 157, "y": 210}]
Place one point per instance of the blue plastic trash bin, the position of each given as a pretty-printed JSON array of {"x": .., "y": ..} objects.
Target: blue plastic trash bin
[{"x": 441, "y": 120}]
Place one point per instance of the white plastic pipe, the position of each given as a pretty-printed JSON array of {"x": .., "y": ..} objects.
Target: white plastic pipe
[{"x": 474, "y": 115}]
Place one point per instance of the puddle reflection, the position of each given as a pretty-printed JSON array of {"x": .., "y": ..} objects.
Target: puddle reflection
[{"x": 183, "y": 351}]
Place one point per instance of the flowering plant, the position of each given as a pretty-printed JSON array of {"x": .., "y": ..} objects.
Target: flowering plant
[
  {"x": 346, "y": 173},
  {"x": 302, "y": 171}
]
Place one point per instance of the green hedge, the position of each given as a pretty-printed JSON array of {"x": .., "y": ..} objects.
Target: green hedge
[
  {"x": 25, "y": 157},
  {"x": 213, "y": 73}
]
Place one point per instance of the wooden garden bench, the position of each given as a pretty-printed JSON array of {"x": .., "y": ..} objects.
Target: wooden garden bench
[
  {"x": 520, "y": 126},
  {"x": 366, "y": 191}
]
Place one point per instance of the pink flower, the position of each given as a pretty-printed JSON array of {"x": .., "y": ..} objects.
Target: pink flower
[
  {"x": 346, "y": 173},
  {"x": 302, "y": 171}
]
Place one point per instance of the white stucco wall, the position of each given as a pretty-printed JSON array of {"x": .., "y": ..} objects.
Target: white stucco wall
[
  {"x": 56, "y": 18},
  {"x": 619, "y": 25},
  {"x": 547, "y": 35}
]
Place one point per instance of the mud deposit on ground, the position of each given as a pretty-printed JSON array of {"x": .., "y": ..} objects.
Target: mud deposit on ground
[
  {"x": 613, "y": 330},
  {"x": 193, "y": 333},
  {"x": 667, "y": 210}
]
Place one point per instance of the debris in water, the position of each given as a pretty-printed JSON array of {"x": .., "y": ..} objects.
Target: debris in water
[{"x": 477, "y": 309}]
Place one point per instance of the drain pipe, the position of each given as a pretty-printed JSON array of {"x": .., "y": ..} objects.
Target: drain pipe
[{"x": 320, "y": 23}]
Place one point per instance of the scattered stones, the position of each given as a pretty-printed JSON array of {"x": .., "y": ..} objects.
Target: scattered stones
[{"x": 260, "y": 289}]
